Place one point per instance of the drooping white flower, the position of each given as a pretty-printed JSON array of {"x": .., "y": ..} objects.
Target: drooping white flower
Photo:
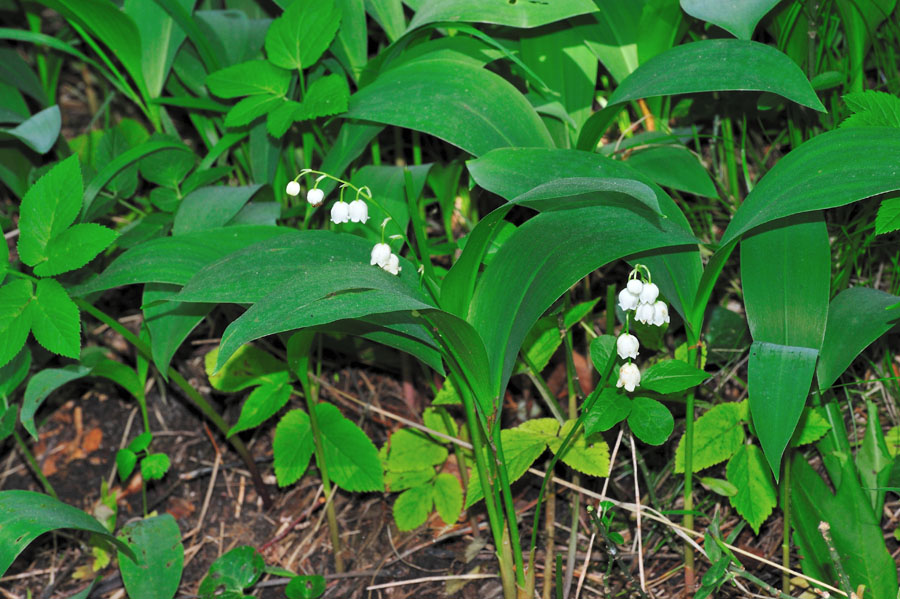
[
  {"x": 660, "y": 313},
  {"x": 315, "y": 196},
  {"x": 393, "y": 265},
  {"x": 649, "y": 293},
  {"x": 627, "y": 346},
  {"x": 293, "y": 188},
  {"x": 644, "y": 313},
  {"x": 340, "y": 212},
  {"x": 627, "y": 300},
  {"x": 381, "y": 253},
  {"x": 635, "y": 286},
  {"x": 359, "y": 212},
  {"x": 629, "y": 377}
]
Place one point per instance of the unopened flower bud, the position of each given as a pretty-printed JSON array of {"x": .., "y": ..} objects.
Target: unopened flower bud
[
  {"x": 293, "y": 188},
  {"x": 629, "y": 377},
  {"x": 315, "y": 196},
  {"x": 635, "y": 286}
]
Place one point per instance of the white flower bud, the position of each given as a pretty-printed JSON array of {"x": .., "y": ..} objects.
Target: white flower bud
[
  {"x": 380, "y": 254},
  {"x": 644, "y": 313},
  {"x": 629, "y": 377},
  {"x": 340, "y": 213},
  {"x": 315, "y": 196},
  {"x": 635, "y": 286},
  {"x": 627, "y": 346},
  {"x": 649, "y": 293},
  {"x": 627, "y": 300},
  {"x": 660, "y": 313},
  {"x": 393, "y": 265},
  {"x": 293, "y": 188},
  {"x": 359, "y": 212}
]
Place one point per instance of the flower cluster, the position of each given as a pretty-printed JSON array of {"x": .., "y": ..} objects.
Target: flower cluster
[
  {"x": 641, "y": 297},
  {"x": 356, "y": 211}
]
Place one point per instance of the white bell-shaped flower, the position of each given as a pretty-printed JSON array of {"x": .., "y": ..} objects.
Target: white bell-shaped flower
[
  {"x": 649, "y": 293},
  {"x": 644, "y": 313},
  {"x": 293, "y": 188},
  {"x": 627, "y": 346},
  {"x": 629, "y": 377},
  {"x": 393, "y": 265},
  {"x": 381, "y": 253},
  {"x": 315, "y": 196},
  {"x": 660, "y": 313},
  {"x": 340, "y": 212},
  {"x": 635, "y": 286},
  {"x": 627, "y": 300},
  {"x": 359, "y": 212}
]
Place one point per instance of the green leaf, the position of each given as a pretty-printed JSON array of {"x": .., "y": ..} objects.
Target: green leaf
[
  {"x": 211, "y": 207},
  {"x": 400, "y": 481},
  {"x": 650, "y": 421},
  {"x": 262, "y": 403},
  {"x": 41, "y": 385},
  {"x": 160, "y": 40},
  {"x": 56, "y": 323},
  {"x": 755, "y": 497},
  {"x": 543, "y": 339},
  {"x": 167, "y": 167},
  {"x": 872, "y": 108},
  {"x": 39, "y": 132},
  {"x": 888, "y": 218},
  {"x": 352, "y": 43},
  {"x": 671, "y": 376},
  {"x": 236, "y": 570},
  {"x": 304, "y": 31},
  {"x": 141, "y": 442},
  {"x": 603, "y": 352},
  {"x": 862, "y": 311},
  {"x": 8, "y": 418},
  {"x": 412, "y": 507},
  {"x": 467, "y": 106},
  {"x": 588, "y": 458},
  {"x": 499, "y": 12},
  {"x": 25, "y": 515},
  {"x": 439, "y": 420},
  {"x": 718, "y": 65},
  {"x": 718, "y": 435},
  {"x": 74, "y": 247},
  {"x": 126, "y": 460},
  {"x": 247, "y": 367},
  {"x": 873, "y": 460},
  {"x": 673, "y": 166},
  {"x": 719, "y": 486},
  {"x": 249, "y": 78},
  {"x": 156, "y": 543},
  {"x": 155, "y": 466},
  {"x": 892, "y": 440},
  {"x": 293, "y": 446},
  {"x": 738, "y": 18},
  {"x": 169, "y": 322},
  {"x": 48, "y": 208},
  {"x": 14, "y": 372},
  {"x": 326, "y": 96},
  {"x": 305, "y": 587},
  {"x": 448, "y": 497},
  {"x": 351, "y": 457},
  {"x": 15, "y": 317},
  {"x": 251, "y": 108},
  {"x": 819, "y": 175},
  {"x": 447, "y": 396},
  {"x": 412, "y": 450},
  {"x": 280, "y": 119},
  {"x": 611, "y": 407}
]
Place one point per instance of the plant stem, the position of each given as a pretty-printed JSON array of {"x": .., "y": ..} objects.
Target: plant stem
[
  {"x": 786, "y": 514},
  {"x": 198, "y": 400},
  {"x": 35, "y": 467},
  {"x": 573, "y": 389},
  {"x": 508, "y": 505},
  {"x": 692, "y": 341},
  {"x": 731, "y": 169}
]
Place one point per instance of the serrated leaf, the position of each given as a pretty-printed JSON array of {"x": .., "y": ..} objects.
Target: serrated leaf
[
  {"x": 248, "y": 367},
  {"x": 872, "y": 108},
  {"x": 249, "y": 78},
  {"x": 718, "y": 435},
  {"x": 48, "y": 208},
  {"x": 304, "y": 31},
  {"x": 352, "y": 458},
  {"x": 888, "y": 218},
  {"x": 399, "y": 481},
  {"x": 126, "y": 460},
  {"x": 448, "y": 497},
  {"x": 588, "y": 458},
  {"x": 293, "y": 446},
  {"x": 74, "y": 247},
  {"x": 447, "y": 396},
  {"x": 650, "y": 421},
  {"x": 412, "y": 507},
  {"x": 439, "y": 420},
  {"x": 262, "y": 403},
  {"x": 755, "y": 498},
  {"x": 412, "y": 449},
  {"x": 811, "y": 428},
  {"x": 250, "y": 108},
  {"x": 892, "y": 440},
  {"x": 671, "y": 376},
  {"x": 141, "y": 442},
  {"x": 56, "y": 324},
  {"x": 326, "y": 96},
  {"x": 281, "y": 118},
  {"x": 15, "y": 318},
  {"x": 155, "y": 466}
]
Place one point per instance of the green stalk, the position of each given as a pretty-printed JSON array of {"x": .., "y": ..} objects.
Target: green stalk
[
  {"x": 692, "y": 340},
  {"x": 731, "y": 169},
  {"x": 35, "y": 467},
  {"x": 786, "y": 512},
  {"x": 573, "y": 388},
  {"x": 188, "y": 390},
  {"x": 510, "y": 508}
]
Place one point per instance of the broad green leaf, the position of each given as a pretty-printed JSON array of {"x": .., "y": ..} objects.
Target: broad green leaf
[
  {"x": 305, "y": 587},
  {"x": 25, "y": 515},
  {"x": 389, "y": 15},
  {"x": 39, "y": 132},
  {"x": 211, "y": 207},
  {"x": 247, "y": 367},
  {"x": 251, "y": 108},
  {"x": 650, "y": 421},
  {"x": 304, "y": 31},
  {"x": 718, "y": 435},
  {"x": 126, "y": 460},
  {"x": 888, "y": 218},
  {"x": 448, "y": 497},
  {"x": 873, "y": 460},
  {"x": 467, "y": 106},
  {"x": 779, "y": 380},
  {"x": 14, "y": 372},
  {"x": 154, "y": 466},
  {"x": 169, "y": 322},
  {"x": 860, "y": 20},
  {"x": 41, "y": 385},
  {"x": 499, "y": 12},
  {"x": 825, "y": 172},
  {"x": 675, "y": 167},
  {"x": 293, "y": 446},
  {"x": 249, "y": 78},
  {"x": 351, "y": 457},
  {"x": 589, "y": 458},
  {"x": 120, "y": 374},
  {"x": 738, "y": 17},
  {"x": 447, "y": 395},
  {"x": 412, "y": 450},
  {"x": 412, "y": 507},
  {"x": 611, "y": 406},
  {"x": 160, "y": 39},
  {"x": 719, "y": 486},
  {"x": 351, "y": 45},
  {"x": 614, "y": 38},
  {"x": 892, "y": 440},
  {"x": 872, "y": 108},
  {"x": 440, "y": 420},
  {"x": 236, "y": 570},
  {"x": 326, "y": 96},
  {"x": 141, "y": 442},
  {"x": 862, "y": 312},
  {"x": 262, "y": 403},
  {"x": 603, "y": 352},
  {"x": 167, "y": 167},
  {"x": 543, "y": 339},
  {"x": 15, "y": 317},
  {"x": 671, "y": 376},
  {"x": 156, "y": 543},
  {"x": 55, "y": 320},
  {"x": 718, "y": 65},
  {"x": 74, "y": 247},
  {"x": 400, "y": 481},
  {"x": 49, "y": 207},
  {"x": 755, "y": 497}
]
